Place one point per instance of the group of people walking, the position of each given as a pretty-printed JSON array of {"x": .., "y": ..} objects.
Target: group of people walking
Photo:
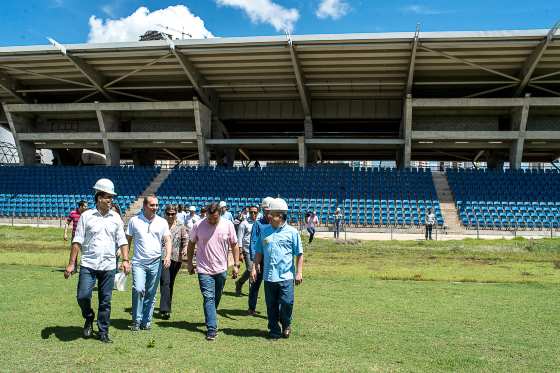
[{"x": 271, "y": 249}]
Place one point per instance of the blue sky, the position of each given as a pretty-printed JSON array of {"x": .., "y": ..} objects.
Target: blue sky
[{"x": 69, "y": 21}]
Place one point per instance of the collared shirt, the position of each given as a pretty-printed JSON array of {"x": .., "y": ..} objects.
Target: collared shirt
[
  {"x": 148, "y": 237},
  {"x": 181, "y": 216},
  {"x": 73, "y": 217},
  {"x": 254, "y": 234},
  {"x": 244, "y": 233},
  {"x": 212, "y": 245},
  {"x": 98, "y": 235},
  {"x": 278, "y": 247}
]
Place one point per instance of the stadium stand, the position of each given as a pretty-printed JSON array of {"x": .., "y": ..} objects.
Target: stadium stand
[
  {"x": 368, "y": 196},
  {"x": 506, "y": 199},
  {"x": 52, "y": 191}
]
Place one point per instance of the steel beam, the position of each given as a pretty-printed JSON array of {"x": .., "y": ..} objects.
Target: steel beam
[
  {"x": 10, "y": 86},
  {"x": 531, "y": 63},
  {"x": 300, "y": 80},
  {"x": 410, "y": 79}
]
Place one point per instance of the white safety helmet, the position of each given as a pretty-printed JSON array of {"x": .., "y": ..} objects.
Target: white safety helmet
[
  {"x": 222, "y": 204},
  {"x": 106, "y": 186},
  {"x": 278, "y": 205},
  {"x": 192, "y": 208},
  {"x": 265, "y": 204}
]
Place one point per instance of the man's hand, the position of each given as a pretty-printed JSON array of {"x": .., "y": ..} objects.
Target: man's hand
[
  {"x": 68, "y": 271},
  {"x": 190, "y": 268},
  {"x": 125, "y": 266},
  {"x": 65, "y": 236},
  {"x": 299, "y": 278},
  {"x": 166, "y": 263},
  {"x": 253, "y": 274},
  {"x": 235, "y": 271}
]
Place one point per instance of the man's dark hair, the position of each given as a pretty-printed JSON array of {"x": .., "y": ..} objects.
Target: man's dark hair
[
  {"x": 180, "y": 208},
  {"x": 212, "y": 208},
  {"x": 146, "y": 198},
  {"x": 82, "y": 203},
  {"x": 252, "y": 207},
  {"x": 203, "y": 209}
]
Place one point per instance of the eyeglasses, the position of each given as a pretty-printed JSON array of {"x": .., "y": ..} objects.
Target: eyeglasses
[{"x": 170, "y": 213}]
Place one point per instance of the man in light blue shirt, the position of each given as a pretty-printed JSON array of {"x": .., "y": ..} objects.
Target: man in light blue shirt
[
  {"x": 224, "y": 212},
  {"x": 276, "y": 246}
]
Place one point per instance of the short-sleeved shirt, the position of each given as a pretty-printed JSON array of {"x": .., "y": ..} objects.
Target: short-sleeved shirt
[
  {"x": 227, "y": 216},
  {"x": 212, "y": 245},
  {"x": 312, "y": 221},
  {"x": 278, "y": 247},
  {"x": 189, "y": 221},
  {"x": 98, "y": 235},
  {"x": 255, "y": 231},
  {"x": 179, "y": 239},
  {"x": 148, "y": 237},
  {"x": 73, "y": 217}
]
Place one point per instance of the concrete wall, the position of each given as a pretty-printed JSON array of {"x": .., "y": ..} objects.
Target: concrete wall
[
  {"x": 162, "y": 125},
  {"x": 543, "y": 123}
]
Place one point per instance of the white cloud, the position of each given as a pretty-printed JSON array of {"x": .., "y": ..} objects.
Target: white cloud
[
  {"x": 332, "y": 9},
  {"x": 129, "y": 28},
  {"x": 422, "y": 9},
  {"x": 266, "y": 11}
]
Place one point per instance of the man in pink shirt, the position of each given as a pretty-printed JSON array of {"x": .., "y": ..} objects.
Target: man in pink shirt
[{"x": 213, "y": 237}]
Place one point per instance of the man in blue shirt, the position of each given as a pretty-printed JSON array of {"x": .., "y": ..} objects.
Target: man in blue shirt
[
  {"x": 255, "y": 284},
  {"x": 224, "y": 212},
  {"x": 276, "y": 246}
]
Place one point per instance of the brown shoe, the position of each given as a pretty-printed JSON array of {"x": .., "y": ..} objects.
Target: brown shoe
[
  {"x": 286, "y": 332},
  {"x": 251, "y": 312}
]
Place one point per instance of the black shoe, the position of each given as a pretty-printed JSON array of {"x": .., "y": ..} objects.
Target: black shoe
[
  {"x": 165, "y": 315},
  {"x": 105, "y": 338},
  {"x": 87, "y": 332},
  {"x": 211, "y": 335},
  {"x": 134, "y": 327},
  {"x": 286, "y": 332},
  {"x": 238, "y": 287}
]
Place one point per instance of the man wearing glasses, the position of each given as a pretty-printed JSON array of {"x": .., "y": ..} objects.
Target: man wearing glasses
[
  {"x": 244, "y": 238},
  {"x": 98, "y": 232},
  {"x": 150, "y": 232}
]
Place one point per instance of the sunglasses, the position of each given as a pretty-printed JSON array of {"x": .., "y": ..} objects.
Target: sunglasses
[{"x": 170, "y": 213}]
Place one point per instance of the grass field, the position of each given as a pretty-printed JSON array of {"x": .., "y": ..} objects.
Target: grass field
[{"x": 364, "y": 306}]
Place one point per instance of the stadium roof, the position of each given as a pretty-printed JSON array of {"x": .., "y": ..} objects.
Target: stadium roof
[{"x": 310, "y": 67}]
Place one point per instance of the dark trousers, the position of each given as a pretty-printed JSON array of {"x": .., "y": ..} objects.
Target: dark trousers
[
  {"x": 428, "y": 231},
  {"x": 254, "y": 288},
  {"x": 337, "y": 225},
  {"x": 311, "y": 234},
  {"x": 279, "y": 305},
  {"x": 86, "y": 282},
  {"x": 166, "y": 282}
]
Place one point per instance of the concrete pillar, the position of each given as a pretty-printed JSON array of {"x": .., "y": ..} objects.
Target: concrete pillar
[
  {"x": 302, "y": 150},
  {"x": 109, "y": 122},
  {"x": 202, "y": 120},
  {"x": 308, "y": 127},
  {"x": 406, "y": 133},
  {"x": 144, "y": 157},
  {"x": 26, "y": 150},
  {"x": 519, "y": 118}
]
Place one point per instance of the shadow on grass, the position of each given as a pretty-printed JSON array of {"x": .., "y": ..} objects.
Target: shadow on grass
[
  {"x": 229, "y": 313},
  {"x": 190, "y": 326},
  {"x": 121, "y": 324},
  {"x": 238, "y": 332},
  {"x": 63, "y": 333},
  {"x": 231, "y": 294}
]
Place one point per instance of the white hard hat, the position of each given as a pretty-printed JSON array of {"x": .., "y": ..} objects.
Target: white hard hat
[
  {"x": 278, "y": 204},
  {"x": 222, "y": 204},
  {"x": 265, "y": 204},
  {"x": 192, "y": 208},
  {"x": 106, "y": 186}
]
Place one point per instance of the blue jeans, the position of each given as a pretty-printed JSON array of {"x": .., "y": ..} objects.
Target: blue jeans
[
  {"x": 145, "y": 280},
  {"x": 311, "y": 232},
  {"x": 254, "y": 290},
  {"x": 211, "y": 287},
  {"x": 86, "y": 282},
  {"x": 337, "y": 225},
  {"x": 279, "y": 305}
]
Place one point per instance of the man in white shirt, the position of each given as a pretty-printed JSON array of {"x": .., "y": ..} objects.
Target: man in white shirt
[
  {"x": 150, "y": 232},
  {"x": 98, "y": 232},
  {"x": 191, "y": 218}
]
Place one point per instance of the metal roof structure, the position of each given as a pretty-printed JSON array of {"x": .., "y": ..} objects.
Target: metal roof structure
[{"x": 427, "y": 64}]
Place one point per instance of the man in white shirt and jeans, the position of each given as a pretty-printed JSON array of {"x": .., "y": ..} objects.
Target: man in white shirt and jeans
[
  {"x": 98, "y": 232},
  {"x": 150, "y": 232}
]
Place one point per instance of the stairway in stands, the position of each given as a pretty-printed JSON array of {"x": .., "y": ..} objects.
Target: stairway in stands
[
  {"x": 151, "y": 189},
  {"x": 447, "y": 203}
]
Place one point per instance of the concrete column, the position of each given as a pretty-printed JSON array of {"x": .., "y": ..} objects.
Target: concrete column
[
  {"x": 202, "y": 120},
  {"x": 519, "y": 123},
  {"x": 308, "y": 127},
  {"x": 302, "y": 150},
  {"x": 26, "y": 150},
  {"x": 108, "y": 122},
  {"x": 406, "y": 133}
]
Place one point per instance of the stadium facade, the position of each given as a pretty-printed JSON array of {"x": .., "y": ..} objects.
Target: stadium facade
[{"x": 453, "y": 96}]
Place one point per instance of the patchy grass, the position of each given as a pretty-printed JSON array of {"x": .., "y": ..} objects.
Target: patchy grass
[{"x": 364, "y": 306}]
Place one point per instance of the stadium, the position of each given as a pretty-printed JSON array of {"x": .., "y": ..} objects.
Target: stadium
[{"x": 384, "y": 126}]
